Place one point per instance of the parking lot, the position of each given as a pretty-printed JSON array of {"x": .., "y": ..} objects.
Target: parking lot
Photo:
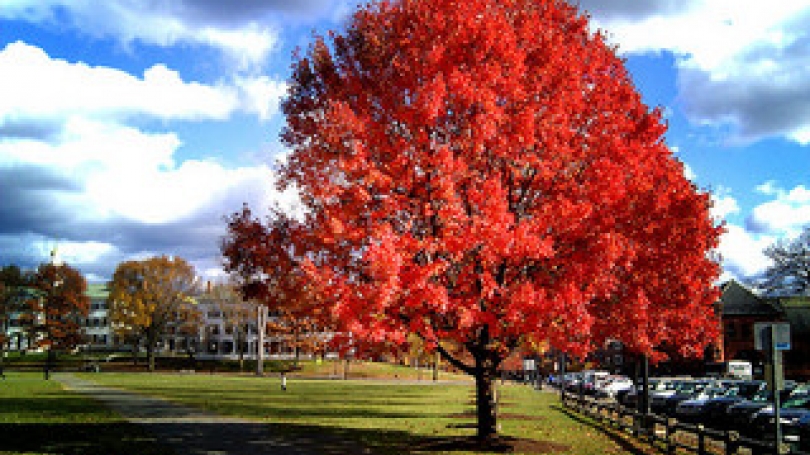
[{"x": 727, "y": 409}]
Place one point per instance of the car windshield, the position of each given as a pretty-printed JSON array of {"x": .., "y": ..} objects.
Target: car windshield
[
  {"x": 798, "y": 399},
  {"x": 663, "y": 385},
  {"x": 750, "y": 389},
  {"x": 798, "y": 403},
  {"x": 711, "y": 392},
  {"x": 762, "y": 395},
  {"x": 690, "y": 388},
  {"x": 730, "y": 392}
]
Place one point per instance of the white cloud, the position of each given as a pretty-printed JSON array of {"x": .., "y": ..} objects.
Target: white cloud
[
  {"x": 132, "y": 174},
  {"x": 115, "y": 192},
  {"x": 160, "y": 23},
  {"x": 76, "y": 253},
  {"x": 768, "y": 188},
  {"x": 723, "y": 206},
  {"x": 742, "y": 251},
  {"x": 261, "y": 95},
  {"x": 35, "y": 86},
  {"x": 87, "y": 146},
  {"x": 689, "y": 173},
  {"x": 786, "y": 215},
  {"x": 741, "y": 66},
  {"x": 248, "y": 47}
]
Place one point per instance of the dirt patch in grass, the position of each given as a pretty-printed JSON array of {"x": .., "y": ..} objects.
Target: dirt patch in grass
[{"x": 502, "y": 444}]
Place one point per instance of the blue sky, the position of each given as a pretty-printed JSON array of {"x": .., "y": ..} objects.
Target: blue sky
[{"x": 130, "y": 128}]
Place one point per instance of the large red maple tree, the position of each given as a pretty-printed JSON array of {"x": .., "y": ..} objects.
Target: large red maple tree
[{"x": 485, "y": 172}]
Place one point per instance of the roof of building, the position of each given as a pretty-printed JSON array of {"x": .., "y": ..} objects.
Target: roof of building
[
  {"x": 797, "y": 313},
  {"x": 737, "y": 300},
  {"x": 97, "y": 291}
]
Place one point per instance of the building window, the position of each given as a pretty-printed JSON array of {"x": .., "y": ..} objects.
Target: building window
[
  {"x": 746, "y": 334},
  {"x": 731, "y": 330}
]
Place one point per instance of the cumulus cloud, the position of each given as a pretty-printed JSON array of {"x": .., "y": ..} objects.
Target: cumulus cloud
[
  {"x": 723, "y": 205},
  {"x": 689, "y": 173},
  {"x": 37, "y": 92},
  {"x": 787, "y": 214},
  {"x": 78, "y": 168},
  {"x": 742, "y": 252},
  {"x": 35, "y": 86},
  {"x": 106, "y": 192},
  {"x": 632, "y": 10},
  {"x": 261, "y": 94},
  {"x": 241, "y": 29},
  {"x": 738, "y": 67}
]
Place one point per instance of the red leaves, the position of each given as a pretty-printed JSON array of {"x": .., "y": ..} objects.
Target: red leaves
[
  {"x": 487, "y": 169},
  {"x": 58, "y": 307}
]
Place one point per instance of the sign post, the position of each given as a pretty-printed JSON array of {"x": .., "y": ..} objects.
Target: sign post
[{"x": 773, "y": 338}]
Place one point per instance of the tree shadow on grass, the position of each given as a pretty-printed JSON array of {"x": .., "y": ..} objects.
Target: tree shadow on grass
[
  {"x": 311, "y": 440},
  {"x": 240, "y": 438},
  {"x": 623, "y": 442},
  {"x": 79, "y": 439}
]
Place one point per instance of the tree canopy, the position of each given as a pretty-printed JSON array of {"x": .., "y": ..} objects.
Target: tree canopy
[
  {"x": 148, "y": 296},
  {"x": 484, "y": 172},
  {"x": 13, "y": 282},
  {"x": 58, "y": 307},
  {"x": 265, "y": 262}
]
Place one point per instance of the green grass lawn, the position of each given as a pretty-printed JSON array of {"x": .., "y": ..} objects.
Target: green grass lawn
[
  {"x": 357, "y": 416},
  {"x": 364, "y": 370},
  {"x": 39, "y": 417}
]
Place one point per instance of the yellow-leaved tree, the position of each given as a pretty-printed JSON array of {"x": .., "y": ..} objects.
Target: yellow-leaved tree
[{"x": 147, "y": 297}]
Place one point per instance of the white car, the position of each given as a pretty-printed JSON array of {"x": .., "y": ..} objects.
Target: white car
[{"x": 614, "y": 386}]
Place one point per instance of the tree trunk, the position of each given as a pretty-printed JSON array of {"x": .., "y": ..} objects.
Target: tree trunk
[
  {"x": 49, "y": 361},
  {"x": 242, "y": 339},
  {"x": 436, "y": 359},
  {"x": 486, "y": 405},
  {"x": 297, "y": 350},
  {"x": 3, "y": 347},
  {"x": 135, "y": 343},
  {"x": 151, "y": 343}
]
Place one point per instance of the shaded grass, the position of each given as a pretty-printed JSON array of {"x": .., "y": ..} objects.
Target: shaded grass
[
  {"x": 39, "y": 417},
  {"x": 381, "y": 417}
]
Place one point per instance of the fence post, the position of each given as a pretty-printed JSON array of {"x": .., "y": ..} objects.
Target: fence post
[
  {"x": 701, "y": 439},
  {"x": 670, "y": 425},
  {"x": 732, "y": 444}
]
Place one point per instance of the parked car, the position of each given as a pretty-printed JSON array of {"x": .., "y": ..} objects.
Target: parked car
[
  {"x": 739, "y": 415},
  {"x": 613, "y": 385},
  {"x": 692, "y": 410},
  {"x": 572, "y": 382},
  {"x": 665, "y": 403},
  {"x": 590, "y": 381},
  {"x": 804, "y": 433},
  {"x": 713, "y": 413},
  {"x": 794, "y": 408},
  {"x": 656, "y": 385}
]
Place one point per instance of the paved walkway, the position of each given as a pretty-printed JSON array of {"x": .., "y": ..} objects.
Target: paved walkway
[{"x": 191, "y": 431}]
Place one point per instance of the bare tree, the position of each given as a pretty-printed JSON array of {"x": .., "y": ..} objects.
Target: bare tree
[{"x": 790, "y": 272}]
